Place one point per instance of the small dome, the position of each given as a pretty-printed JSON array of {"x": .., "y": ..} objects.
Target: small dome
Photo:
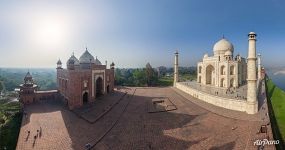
[
  {"x": 251, "y": 33},
  {"x": 97, "y": 62},
  {"x": 28, "y": 75},
  {"x": 228, "y": 53},
  {"x": 72, "y": 60},
  {"x": 59, "y": 62},
  {"x": 222, "y": 46},
  {"x": 206, "y": 55},
  {"x": 86, "y": 57},
  {"x": 28, "y": 79}
]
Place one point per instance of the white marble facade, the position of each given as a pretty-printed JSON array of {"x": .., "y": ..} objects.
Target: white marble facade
[{"x": 222, "y": 69}]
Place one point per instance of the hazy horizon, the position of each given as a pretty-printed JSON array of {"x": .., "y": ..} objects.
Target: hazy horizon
[{"x": 130, "y": 33}]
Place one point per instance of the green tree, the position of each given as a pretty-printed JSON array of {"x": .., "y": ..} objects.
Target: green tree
[
  {"x": 1, "y": 86},
  {"x": 119, "y": 79},
  {"x": 162, "y": 70},
  {"x": 139, "y": 77},
  {"x": 151, "y": 75}
]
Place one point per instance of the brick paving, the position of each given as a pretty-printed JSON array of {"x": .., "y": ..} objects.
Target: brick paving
[
  {"x": 128, "y": 125},
  {"x": 92, "y": 112}
]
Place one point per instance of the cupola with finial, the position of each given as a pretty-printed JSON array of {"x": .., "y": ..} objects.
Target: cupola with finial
[
  {"x": 59, "y": 64},
  {"x": 112, "y": 65}
]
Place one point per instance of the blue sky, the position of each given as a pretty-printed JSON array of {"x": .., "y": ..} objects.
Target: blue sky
[{"x": 134, "y": 32}]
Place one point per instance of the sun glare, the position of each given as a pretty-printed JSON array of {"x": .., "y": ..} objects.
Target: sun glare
[{"x": 50, "y": 32}]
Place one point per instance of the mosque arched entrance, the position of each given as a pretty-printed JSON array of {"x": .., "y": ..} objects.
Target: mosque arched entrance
[
  {"x": 85, "y": 97},
  {"x": 99, "y": 87},
  {"x": 108, "y": 89},
  {"x": 210, "y": 70}
]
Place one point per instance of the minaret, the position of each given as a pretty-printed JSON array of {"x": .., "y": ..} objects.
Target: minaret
[
  {"x": 112, "y": 66},
  {"x": 176, "y": 74},
  {"x": 259, "y": 67},
  {"x": 251, "y": 75},
  {"x": 59, "y": 64},
  {"x": 58, "y": 70}
]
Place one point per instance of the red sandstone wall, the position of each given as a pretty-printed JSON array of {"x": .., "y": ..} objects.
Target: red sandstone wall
[
  {"x": 110, "y": 73},
  {"x": 76, "y": 88},
  {"x": 38, "y": 96},
  {"x": 71, "y": 84}
]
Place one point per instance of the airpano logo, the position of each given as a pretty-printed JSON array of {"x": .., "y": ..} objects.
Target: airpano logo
[{"x": 265, "y": 142}]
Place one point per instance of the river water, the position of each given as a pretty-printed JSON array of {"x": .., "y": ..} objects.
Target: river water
[{"x": 278, "y": 79}]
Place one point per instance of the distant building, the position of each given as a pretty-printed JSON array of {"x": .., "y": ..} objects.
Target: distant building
[{"x": 84, "y": 80}]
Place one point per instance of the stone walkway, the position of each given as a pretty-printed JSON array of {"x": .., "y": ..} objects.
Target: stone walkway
[
  {"x": 128, "y": 125},
  {"x": 219, "y": 110},
  {"x": 92, "y": 112}
]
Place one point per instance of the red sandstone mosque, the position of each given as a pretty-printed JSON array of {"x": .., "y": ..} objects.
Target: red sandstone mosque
[{"x": 81, "y": 82}]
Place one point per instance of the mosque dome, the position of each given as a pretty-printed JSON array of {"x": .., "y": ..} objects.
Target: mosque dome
[
  {"x": 222, "y": 46},
  {"x": 86, "y": 57},
  {"x": 28, "y": 79},
  {"x": 59, "y": 62},
  {"x": 97, "y": 62},
  {"x": 28, "y": 76},
  {"x": 72, "y": 60}
]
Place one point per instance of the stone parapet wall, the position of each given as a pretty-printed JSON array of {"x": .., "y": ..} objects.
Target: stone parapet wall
[
  {"x": 39, "y": 96},
  {"x": 233, "y": 104}
]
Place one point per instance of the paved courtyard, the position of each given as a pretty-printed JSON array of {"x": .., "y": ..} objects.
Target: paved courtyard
[{"x": 123, "y": 120}]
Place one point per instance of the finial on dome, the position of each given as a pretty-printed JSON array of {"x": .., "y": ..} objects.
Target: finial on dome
[
  {"x": 86, "y": 48},
  {"x": 59, "y": 61},
  {"x": 112, "y": 65},
  {"x": 223, "y": 36},
  {"x": 176, "y": 52}
]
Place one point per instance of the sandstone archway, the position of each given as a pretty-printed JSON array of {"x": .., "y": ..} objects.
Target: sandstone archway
[
  {"x": 99, "y": 87},
  {"x": 85, "y": 97}
]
